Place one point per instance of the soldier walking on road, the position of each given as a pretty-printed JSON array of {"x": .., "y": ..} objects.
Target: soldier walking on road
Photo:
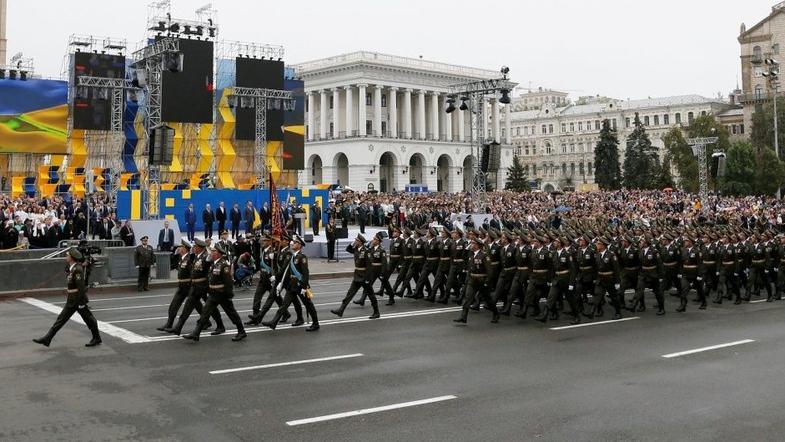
[
  {"x": 183, "y": 283},
  {"x": 362, "y": 262},
  {"x": 296, "y": 279},
  {"x": 144, "y": 258}
]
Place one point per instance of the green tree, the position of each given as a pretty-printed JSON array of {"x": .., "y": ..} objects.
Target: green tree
[
  {"x": 679, "y": 153},
  {"x": 769, "y": 172},
  {"x": 762, "y": 134},
  {"x": 740, "y": 165},
  {"x": 641, "y": 162},
  {"x": 664, "y": 177},
  {"x": 607, "y": 170},
  {"x": 516, "y": 177}
]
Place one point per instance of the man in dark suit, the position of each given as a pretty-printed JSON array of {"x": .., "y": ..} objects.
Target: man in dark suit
[
  {"x": 362, "y": 216},
  {"x": 265, "y": 215},
  {"x": 220, "y": 216},
  {"x": 105, "y": 228},
  {"x": 330, "y": 229},
  {"x": 316, "y": 217},
  {"x": 127, "y": 234},
  {"x": 248, "y": 216},
  {"x": 165, "y": 238},
  {"x": 235, "y": 216},
  {"x": 190, "y": 221},
  {"x": 208, "y": 217}
]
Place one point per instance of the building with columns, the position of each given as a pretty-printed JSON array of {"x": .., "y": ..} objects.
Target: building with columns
[
  {"x": 556, "y": 144},
  {"x": 3, "y": 27},
  {"x": 378, "y": 122}
]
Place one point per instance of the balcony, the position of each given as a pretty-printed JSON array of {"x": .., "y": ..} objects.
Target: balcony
[{"x": 755, "y": 98}]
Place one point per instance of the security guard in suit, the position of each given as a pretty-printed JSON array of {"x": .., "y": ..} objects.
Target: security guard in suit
[
  {"x": 220, "y": 293},
  {"x": 476, "y": 283},
  {"x": 184, "y": 266},
  {"x": 362, "y": 274},
  {"x": 199, "y": 287},
  {"x": 76, "y": 302},
  {"x": 296, "y": 278}
]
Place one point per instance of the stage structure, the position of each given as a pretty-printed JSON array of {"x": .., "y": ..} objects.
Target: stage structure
[{"x": 473, "y": 96}]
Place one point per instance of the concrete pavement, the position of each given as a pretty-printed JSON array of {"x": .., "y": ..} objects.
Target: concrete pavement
[{"x": 357, "y": 379}]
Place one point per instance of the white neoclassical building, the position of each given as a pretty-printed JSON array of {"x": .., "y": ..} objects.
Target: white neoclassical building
[
  {"x": 556, "y": 143},
  {"x": 376, "y": 121}
]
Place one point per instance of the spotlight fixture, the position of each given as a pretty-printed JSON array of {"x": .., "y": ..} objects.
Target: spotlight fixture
[
  {"x": 505, "y": 70},
  {"x": 23, "y": 75},
  {"x": 174, "y": 28},
  {"x": 505, "y": 99},
  {"x": 450, "y": 105},
  {"x": 2, "y": 74},
  {"x": 464, "y": 106},
  {"x": 12, "y": 74}
]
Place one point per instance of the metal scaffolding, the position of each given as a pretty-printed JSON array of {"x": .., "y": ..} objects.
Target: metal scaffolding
[
  {"x": 474, "y": 95},
  {"x": 262, "y": 100},
  {"x": 699, "y": 150}
]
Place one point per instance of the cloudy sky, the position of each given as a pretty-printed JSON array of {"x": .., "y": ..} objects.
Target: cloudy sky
[{"x": 622, "y": 49}]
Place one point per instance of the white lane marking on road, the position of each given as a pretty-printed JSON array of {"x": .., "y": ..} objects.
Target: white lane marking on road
[
  {"x": 285, "y": 364},
  {"x": 713, "y": 347},
  {"x": 158, "y": 318},
  {"x": 321, "y": 323},
  {"x": 111, "y": 330},
  {"x": 369, "y": 410},
  {"x": 590, "y": 324},
  {"x": 757, "y": 301},
  {"x": 136, "y": 307}
]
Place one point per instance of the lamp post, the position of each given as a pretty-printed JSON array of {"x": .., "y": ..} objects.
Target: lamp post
[{"x": 772, "y": 75}]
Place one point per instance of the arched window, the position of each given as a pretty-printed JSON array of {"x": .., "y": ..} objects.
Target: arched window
[
  {"x": 678, "y": 118},
  {"x": 757, "y": 54},
  {"x": 758, "y": 92},
  {"x": 690, "y": 117},
  {"x": 590, "y": 168},
  {"x": 572, "y": 168},
  {"x": 564, "y": 168},
  {"x": 548, "y": 148}
]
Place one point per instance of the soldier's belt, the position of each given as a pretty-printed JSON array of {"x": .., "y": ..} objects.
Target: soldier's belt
[
  {"x": 376, "y": 264},
  {"x": 408, "y": 256},
  {"x": 669, "y": 264},
  {"x": 523, "y": 268},
  {"x": 445, "y": 259},
  {"x": 690, "y": 267},
  {"x": 509, "y": 268},
  {"x": 540, "y": 271},
  {"x": 649, "y": 267},
  {"x": 730, "y": 263},
  {"x": 709, "y": 262},
  {"x": 457, "y": 260},
  {"x": 359, "y": 268},
  {"x": 395, "y": 256},
  {"x": 73, "y": 290},
  {"x": 605, "y": 273},
  {"x": 216, "y": 286},
  {"x": 432, "y": 259},
  {"x": 199, "y": 280},
  {"x": 418, "y": 257},
  {"x": 184, "y": 280},
  {"x": 562, "y": 272},
  {"x": 587, "y": 268},
  {"x": 478, "y": 275},
  {"x": 632, "y": 269},
  {"x": 495, "y": 263},
  {"x": 758, "y": 261}
]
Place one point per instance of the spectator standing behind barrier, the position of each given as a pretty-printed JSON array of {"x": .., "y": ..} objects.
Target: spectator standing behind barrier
[
  {"x": 220, "y": 216},
  {"x": 127, "y": 234},
  {"x": 190, "y": 221},
  {"x": 105, "y": 228},
  {"x": 236, "y": 218},
  {"x": 144, "y": 258},
  {"x": 165, "y": 238},
  {"x": 248, "y": 217},
  {"x": 208, "y": 218},
  {"x": 316, "y": 217}
]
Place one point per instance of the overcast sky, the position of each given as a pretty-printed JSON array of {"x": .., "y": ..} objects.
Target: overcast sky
[{"x": 622, "y": 49}]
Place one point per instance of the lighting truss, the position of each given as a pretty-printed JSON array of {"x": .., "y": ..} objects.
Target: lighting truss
[
  {"x": 261, "y": 100},
  {"x": 252, "y": 50},
  {"x": 699, "y": 150}
]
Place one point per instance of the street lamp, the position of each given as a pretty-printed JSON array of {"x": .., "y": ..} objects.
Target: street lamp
[{"x": 772, "y": 75}]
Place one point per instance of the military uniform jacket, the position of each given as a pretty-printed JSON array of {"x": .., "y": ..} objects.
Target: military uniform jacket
[
  {"x": 670, "y": 257},
  {"x": 300, "y": 263},
  {"x": 523, "y": 259},
  {"x": 780, "y": 256},
  {"x": 446, "y": 253},
  {"x": 458, "y": 254},
  {"x": 419, "y": 250},
  {"x": 727, "y": 258},
  {"x": 377, "y": 262},
  {"x": 268, "y": 260},
  {"x": 495, "y": 254},
  {"x": 478, "y": 269},
  {"x": 563, "y": 265},
  {"x": 282, "y": 263},
  {"x": 629, "y": 259},
  {"x": 692, "y": 261},
  {"x": 361, "y": 261},
  {"x": 184, "y": 268},
  {"x": 587, "y": 264},
  {"x": 758, "y": 255},
  {"x": 409, "y": 246},
  {"x": 607, "y": 267},
  {"x": 433, "y": 253},
  {"x": 711, "y": 264},
  {"x": 770, "y": 253},
  {"x": 508, "y": 262},
  {"x": 221, "y": 282},
  {"x": 742, "y": 250},
  {"x": 76, "y": 288},
  {"x": 541, "y": 264},
  {"x": 651, "y": 264},
  {"x": 397, "y": 251},
  {"x": 199, "y": 269},
  {"x": 144, "y": 256}
]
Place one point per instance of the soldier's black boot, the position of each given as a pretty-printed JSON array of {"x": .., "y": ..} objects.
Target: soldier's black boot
[
  {"x": 375, "y": 314},
  {"x": 339, "y": 311},
  {"x": 576, "y": 319},
  {"x": 274, "y": 322},
  {"x": 391, "y": 301},
  {"x": 361, "y": 301},
  {"x": 617, "y": 312},
  {"x": 543, "y": 317},
  {"x": 194, "y": 335},
  {"x": 590, "y": 314},
  {"x": 44, "y": 340},
  {"x": 682, "y": 306},
  {"x": 96, "y": 340},
  {"x": 495, "y": 318},
  {"x": 240, "y": 333},
  {"x": 461, "y": 319},
  {"x": 522, "y": 313}
]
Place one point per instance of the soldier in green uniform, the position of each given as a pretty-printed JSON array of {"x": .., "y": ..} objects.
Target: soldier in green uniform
[
  {"x": 727, "y": 284},
  {"x": 183, "y": 283},
  {"x": 670, "y": 254},
  {"x": 711, "y": 263},
  {"x": 406, "y": 262},
  {"x": 630, "y": 263},
  {"x": 430, "y": 266},
  {"x": 771, "y": 258},
  {"x": 779, "y": 268},
  {"x": 457, "y": 266},
  {"x": 282, "y": 263},
  {"x": 476, "y": 283},
  {"x": 220, "y": 293},
  {"x": 144, "y": 258},
  {"x": 446, "y": 246},
  {"x": 650, "y": 275},
  {"x": 503, "y": 287},
  {"x": 743, "y": 263},
  {"x": 76, "y": 302},
  {"x": 494, "y": 252},
  {"x": 522, "y": 271},
  {"x": 608, "y": 279},
  {"x": 691, "y": 271},
  {"x": 587, "y": 272},
  {"x": 378, "y": 267},
  {"x": 757, "y": 274},
  {"x": 297, "y": 280},
  {"x": 541, "y": 266},
  {"x": 362, "y": 262},
  {"x": 418, "y": 261},
  {"x": 394, "y": 261},
  {"x": 562, "y": 283},
  {"x": 267, "y": 281},
  {"x": 198, "y": 293}
]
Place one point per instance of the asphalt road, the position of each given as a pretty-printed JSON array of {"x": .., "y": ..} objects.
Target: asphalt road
[{"x": 517, "y": 380}]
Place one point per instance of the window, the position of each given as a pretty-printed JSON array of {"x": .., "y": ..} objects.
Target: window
[
  {"x": 564, "y": 168},
  {"x": 563, "y": 148},
  {"x": 656, "y": 120},
  {"x": 757, "y": 54},
  {"x": 690, "y": 117},
  {"x": 331, "y": 130},
  {"x": 703, "y": 113},
  {"x": 518, "y": 131},
  {"x": 572, "y": 168},
  {"x": 368, "y": 99},
  {"x": 534, "y": 149},
  {"x": 580, "y": 126},
  {"x": 526, "y": 170},
  {"x": 626, "y": 122},
  {"x": 332, "y": 101},
  {"x": 678, "y": 118},
  {"x": 666, "y": 119},
  {"x": 384, "y": 128},
  {"x": 534, "y": 170},
  {"x": 590, "y": 168},
  {"x": 548, "y": 148},
  {"x": 550, "y": 128},
  {"x": 526, "y": 130},
  {"x": 517, "y": 152},
  {"x": 733, "y": 129},
  {"x": 596, "y": 124},
  {"x": 564, "y": 128},
  {"x": 544, "y": 129},
  {"x": 646, "y": 120},
  {"x": 572, "y": 148},
  {"x": 504, "y": 132},
  {"x": 572, "y": 127},
  {"x": 588, "y": 125},
  {"x": 368, "y": 126},
  {"x": 758, "y": 91},
  {"x": 614, "y": 124},
  {"x": 384, "y": 100},
  {"x": 526, "y": 150},
  {"x": 741, "y": 129},
  {"x": 580, "y": 168},
  {"x": 306, "y": 105}
]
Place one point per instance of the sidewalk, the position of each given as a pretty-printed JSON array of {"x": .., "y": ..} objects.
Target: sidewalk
[{"x": 319, "y": 269}]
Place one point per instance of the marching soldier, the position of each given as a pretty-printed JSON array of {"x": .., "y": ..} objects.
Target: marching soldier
[
  {"x": 630, "y": 263},
  {"x": 183, "y": 283},
  {"x": 198, "y": 292},
  {"x": 457, "y": 266},
  {"x": 757, "y": 273},
  {"x": 220, "y": 289},
  {"x": 377, "y": 265},
  {"x": 446, "y": 247},
  {"x": 607, "y": 280},
  {"x": 728, "y": 279},
  {"x": 779, "y": 268},
  {"x": 522, "y": 272},
  {"x": 650, "y": 276},
  {"x": 476, "y": 283},
  {"x": 711, "y": 263},
  {"x": 397, "y": 251},
  {"x": 691, "y": 271},
  {"x": 587, "y": 272},
  {"x": 76, "y": 302},
  {"x": 508, "y": 270},
  {"x": 670, "y": 254},
  {"x": 362, "y": 260},
  {"x": 418, "y": 261},
  {"x": 406, "y": 262},
  {"x": 431, "y": 264},
  {"x": 144, "y": 258},
  {"x": 562, "y": 282},
  {"x": 266, "y": 285},
  {"x": 298, "y": 285},
  {"x": 743, "y": 260},
  {"x": 541, "y": 265},
  {"x": 282, "y": 264}
]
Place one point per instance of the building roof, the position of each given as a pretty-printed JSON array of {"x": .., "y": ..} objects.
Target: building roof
[
  {"x": 366, "y": 57},
  {"x": 631, "y": 105},
  {"x": 776, "y": 9}
]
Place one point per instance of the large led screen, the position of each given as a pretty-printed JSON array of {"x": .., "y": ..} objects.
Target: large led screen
[
  {"x": 33, "y": 116},
  {"x": 93, "y": 106},
  {"x": 255, "y": 73},
  {"x": 294, "y": 128},
  {"x": 187, "y": 95}
]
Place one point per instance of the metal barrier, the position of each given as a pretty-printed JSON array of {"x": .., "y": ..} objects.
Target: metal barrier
[{"x": 102, "y": 243}]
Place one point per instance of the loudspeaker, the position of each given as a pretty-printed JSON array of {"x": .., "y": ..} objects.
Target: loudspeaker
[
  {"x": 342, "y": 233},
  {"x": 308, "y": 237},
  {"x": 161, "y": 146}
]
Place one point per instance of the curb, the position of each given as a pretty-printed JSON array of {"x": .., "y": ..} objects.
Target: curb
[{"x": 109, "y": 288}]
